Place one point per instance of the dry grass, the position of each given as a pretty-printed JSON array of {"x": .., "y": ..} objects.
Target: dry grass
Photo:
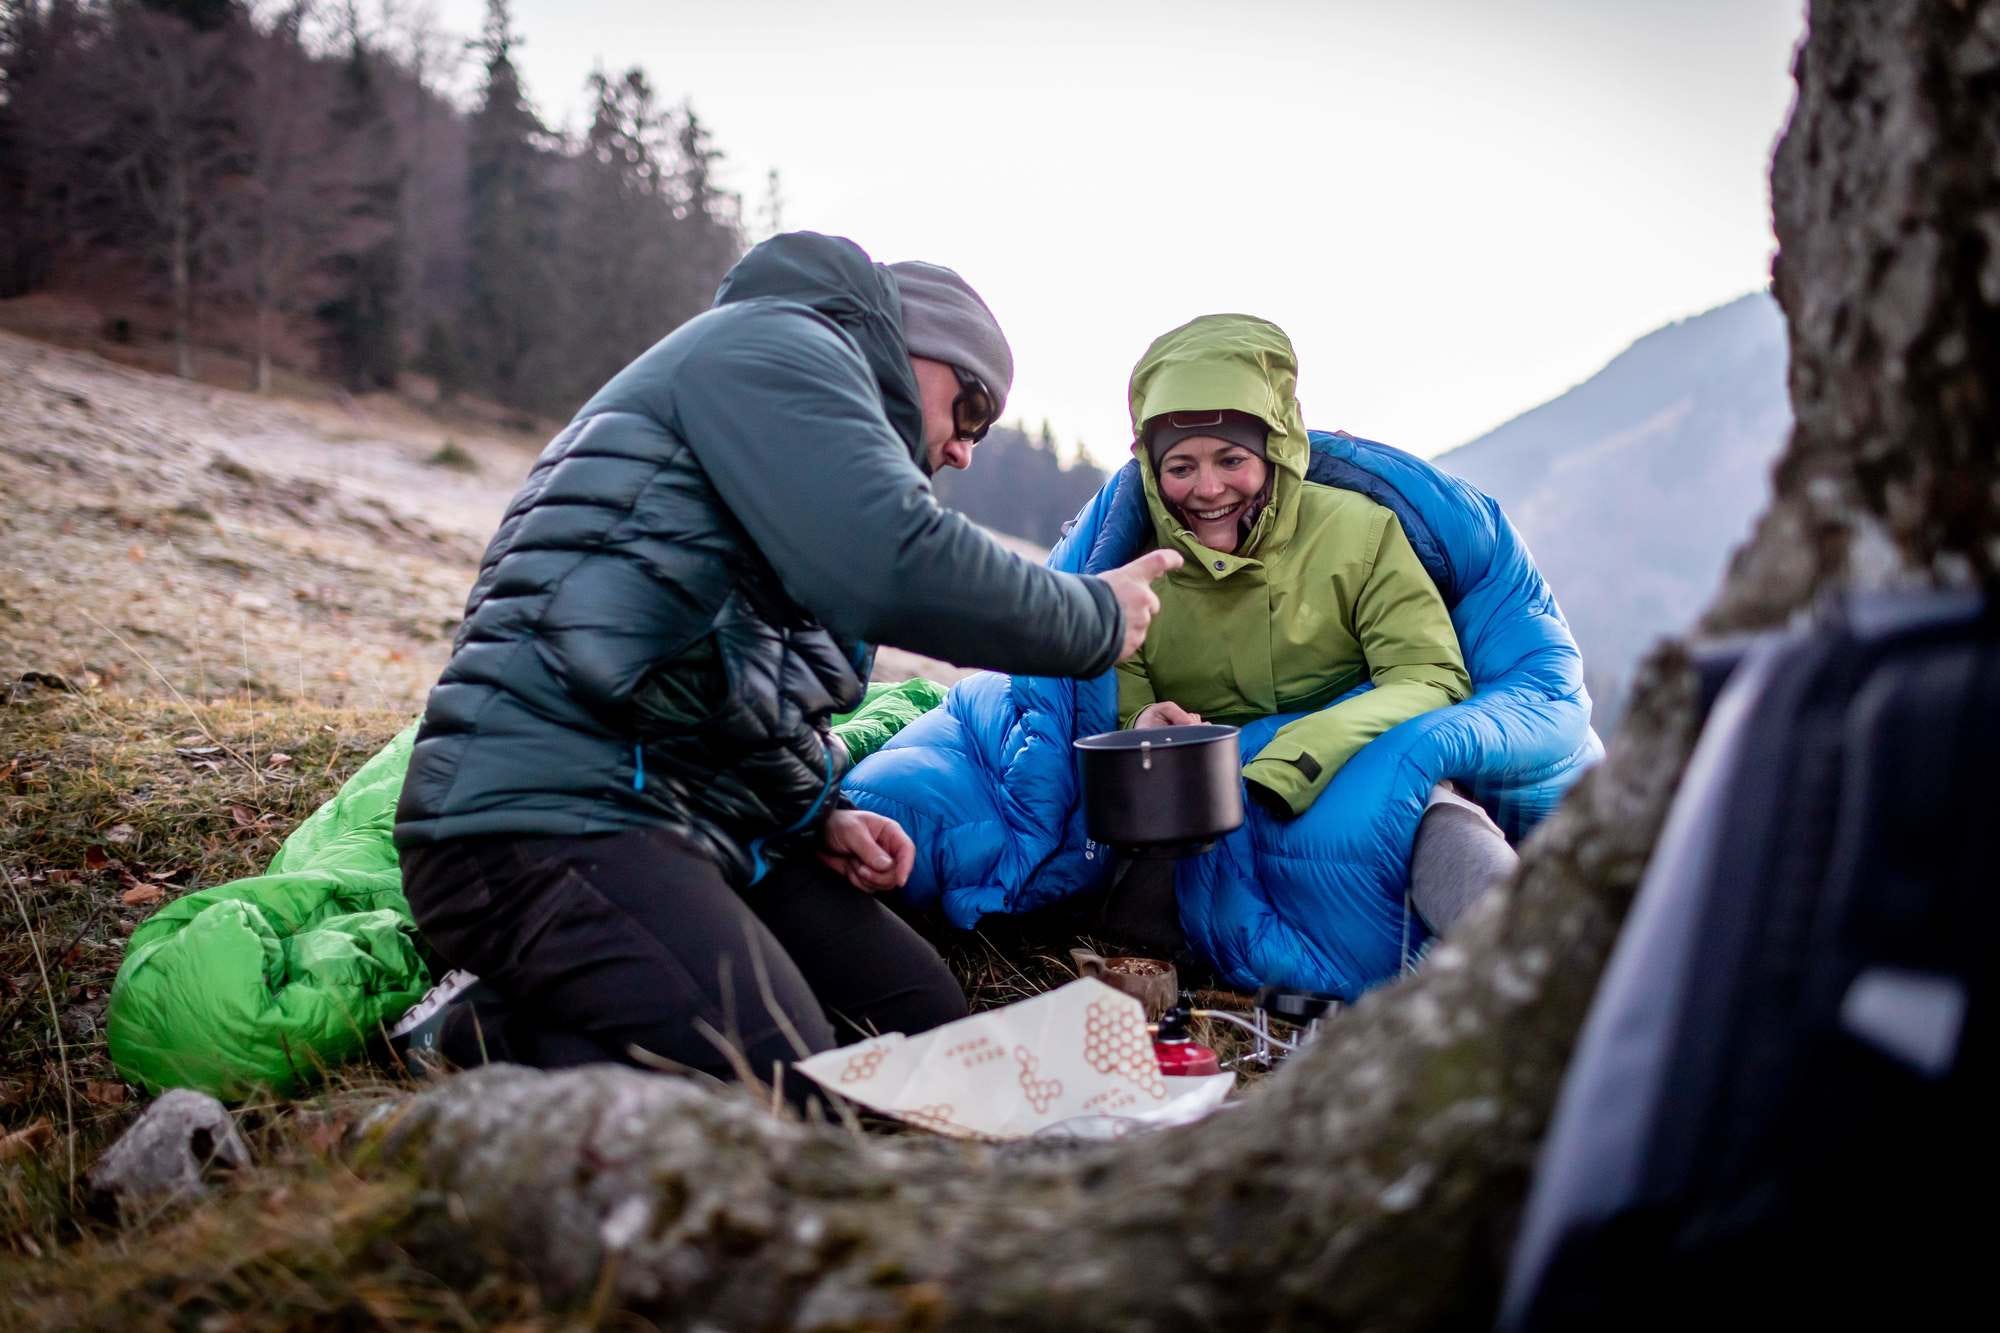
[
  {"x": 313, "y": 1237},
  {"x": 104, "y": 798},
  {"x": 86, "y": 321},
  {"x": 451, "y": 454},
  {"x": 1014, "y": 958},
  {"x": 115, "y": 805},
  {"x": 110, "y": 807}
]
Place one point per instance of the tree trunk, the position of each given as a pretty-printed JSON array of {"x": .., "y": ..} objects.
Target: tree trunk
[
  {"x": 260, "y": 372},
  {"x": 181, "y": 268},
  {"x": 1887, "y": 203},
  {"x": 1376, "y": 1181},
  {"x": 263, "y": 296}
]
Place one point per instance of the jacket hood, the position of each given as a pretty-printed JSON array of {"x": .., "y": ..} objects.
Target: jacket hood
[
  {"x": 834, "y": 276},
  {"x": 1236, "y": 363}
]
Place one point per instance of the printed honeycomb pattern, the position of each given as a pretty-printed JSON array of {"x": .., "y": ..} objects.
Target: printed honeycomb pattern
[
  {"x": 860, "y": 1068},
  {"x": 1040, "y": 1092},
  {"x": 937, "y": 1115},
  {"x": 1115, "y": 1041}
]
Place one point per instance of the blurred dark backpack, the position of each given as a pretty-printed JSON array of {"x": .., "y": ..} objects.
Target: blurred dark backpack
[{"x": 1782, "y": 1106}]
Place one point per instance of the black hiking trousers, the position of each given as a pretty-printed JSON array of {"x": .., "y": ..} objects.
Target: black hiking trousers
[{"x": 600, "y": 946}]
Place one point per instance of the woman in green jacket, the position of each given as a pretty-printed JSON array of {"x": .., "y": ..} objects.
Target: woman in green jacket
[{"x": 1291, "y": 594}]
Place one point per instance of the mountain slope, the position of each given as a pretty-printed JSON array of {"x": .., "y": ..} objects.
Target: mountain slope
[{"x": 1633, "y": 487}]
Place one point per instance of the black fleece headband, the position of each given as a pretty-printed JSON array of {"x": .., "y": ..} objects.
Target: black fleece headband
[{"x": 1168, "y": 429}]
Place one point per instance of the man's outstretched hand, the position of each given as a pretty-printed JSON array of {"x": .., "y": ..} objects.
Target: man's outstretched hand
[
  {"x": 871, "y": 851},
  {"x": 1132, "y": 585}
]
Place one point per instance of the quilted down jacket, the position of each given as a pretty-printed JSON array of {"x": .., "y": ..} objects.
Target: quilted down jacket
[{"x": 686, "y": 588}]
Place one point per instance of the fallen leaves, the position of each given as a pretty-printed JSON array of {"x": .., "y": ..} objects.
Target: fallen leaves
[
  {"x": 142, "y": 895},
  {"x": 105, "y": 1092},
  {"x": 139, "y": 892},
  {"x": 192, "y": 749},
  {"x": 27, "y": 1139},
  {"x": 326, "y": 1135}
]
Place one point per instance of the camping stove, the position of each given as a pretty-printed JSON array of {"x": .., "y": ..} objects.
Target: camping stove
[{"x": 1301, "y": 1010}]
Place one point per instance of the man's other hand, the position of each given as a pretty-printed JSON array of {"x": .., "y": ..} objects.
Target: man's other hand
[
  {"x": 1132, "y": 585},
  {"x": 871, "y": 851}
]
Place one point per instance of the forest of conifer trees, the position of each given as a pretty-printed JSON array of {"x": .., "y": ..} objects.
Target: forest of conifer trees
[
  {"x": 1022, "y": 484},
  {"x": 356, "y": 194},
  {"x": 297, "y": 183}
]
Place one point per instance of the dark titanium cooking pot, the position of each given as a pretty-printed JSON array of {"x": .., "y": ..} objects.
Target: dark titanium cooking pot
[{"x": 1163, "y": 791}]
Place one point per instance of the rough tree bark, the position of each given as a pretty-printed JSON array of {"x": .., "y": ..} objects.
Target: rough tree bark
[
  {"x": 1886, "y": 194},
  {"x": 1375, "y": 1182}
]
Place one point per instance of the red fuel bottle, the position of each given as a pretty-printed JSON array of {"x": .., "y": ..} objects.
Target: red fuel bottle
[{"x": 1180, "y": 1055}]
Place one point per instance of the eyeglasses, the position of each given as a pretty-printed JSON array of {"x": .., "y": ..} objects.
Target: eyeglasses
[{"x": 972, "y": 412}]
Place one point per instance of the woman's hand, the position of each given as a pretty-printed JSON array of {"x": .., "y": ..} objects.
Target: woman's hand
[
  {"x": 870, "y": 851},
  {"x": 1165, "y": 713}
]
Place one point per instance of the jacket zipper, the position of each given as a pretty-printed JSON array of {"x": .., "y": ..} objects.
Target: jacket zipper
[{"x": 758, "y": 868}]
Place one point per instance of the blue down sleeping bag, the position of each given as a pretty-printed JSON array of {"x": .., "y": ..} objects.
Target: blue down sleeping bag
[{"x": 987, "y": 785}]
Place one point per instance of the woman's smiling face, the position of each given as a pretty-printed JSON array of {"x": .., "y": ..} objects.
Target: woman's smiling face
[{"x": 1212, "y": 483}]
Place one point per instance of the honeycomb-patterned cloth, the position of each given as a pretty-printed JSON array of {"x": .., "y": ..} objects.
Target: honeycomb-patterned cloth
[
  {"x": 1115, "y": 1041},
  {"x": 1078, "y": 1055}
]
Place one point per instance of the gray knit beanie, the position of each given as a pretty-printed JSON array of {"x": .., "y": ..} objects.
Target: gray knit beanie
[{"x": 944, "y": 320}]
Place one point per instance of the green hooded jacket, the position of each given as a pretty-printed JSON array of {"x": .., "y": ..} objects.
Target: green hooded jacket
[{"x": 1323, "y": 594}]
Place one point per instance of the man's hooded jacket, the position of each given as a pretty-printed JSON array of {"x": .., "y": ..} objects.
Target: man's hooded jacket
[{"x": 687, "y": 586}]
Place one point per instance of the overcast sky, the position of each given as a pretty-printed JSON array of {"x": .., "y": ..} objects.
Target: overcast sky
[{"x": 1457, "y": 208}]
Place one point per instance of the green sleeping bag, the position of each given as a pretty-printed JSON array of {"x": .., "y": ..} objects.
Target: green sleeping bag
[{"x": 263, "y": 984}]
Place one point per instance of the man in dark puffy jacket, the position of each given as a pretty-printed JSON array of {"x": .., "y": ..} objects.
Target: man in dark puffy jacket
[{"x": 622, "y": 811}]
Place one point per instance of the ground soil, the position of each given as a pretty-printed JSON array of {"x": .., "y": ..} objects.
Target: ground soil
[{"x": 164, "y": 536}]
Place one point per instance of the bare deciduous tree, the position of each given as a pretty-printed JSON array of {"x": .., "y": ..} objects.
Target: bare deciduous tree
[
  {"x": 289, "y": 161},
  {"x": 433, "y": 139},
  {"x": 161, "y": 106},
  {"x": 289, "y": 185}
]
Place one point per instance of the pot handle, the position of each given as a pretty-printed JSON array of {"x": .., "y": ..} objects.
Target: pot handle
[{"x": 1087, "y": 964}]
